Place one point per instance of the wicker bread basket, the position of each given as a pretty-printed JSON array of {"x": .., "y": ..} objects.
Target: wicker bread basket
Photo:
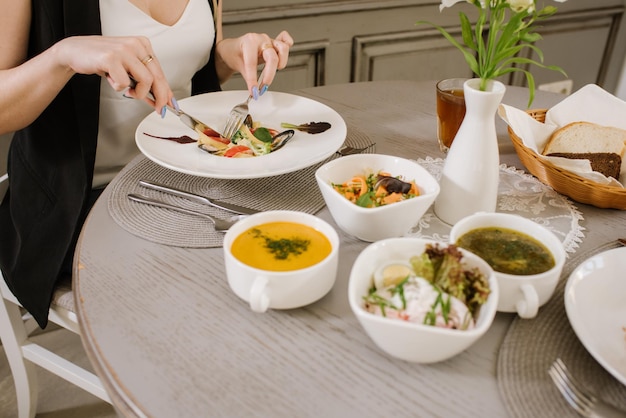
[{"x": 565, "y": 182}]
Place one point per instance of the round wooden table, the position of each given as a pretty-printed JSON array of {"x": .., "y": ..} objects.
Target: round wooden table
[{"x": 170, "y": 339}]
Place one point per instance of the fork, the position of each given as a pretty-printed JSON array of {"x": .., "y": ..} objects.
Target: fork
[
  {"x": 238, "y": 115},
  {"x": 579, "y": 398},
  {"x": 221, "y": 225},
  {"x": 348, "y": 150}
]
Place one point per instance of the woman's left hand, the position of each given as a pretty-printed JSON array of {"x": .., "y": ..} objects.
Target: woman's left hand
[{"x": 245, "y": 53}]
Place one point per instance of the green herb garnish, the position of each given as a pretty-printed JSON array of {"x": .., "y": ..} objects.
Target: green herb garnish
[
  {"x": 262, "y": 134},
  {"x": 399, "y": 290},
  {"x": 431, "y": 316},
  {"x": 374, "y": 298},
  {"x": 282, "y": 248},
  {"x": 366, "y": 200}
]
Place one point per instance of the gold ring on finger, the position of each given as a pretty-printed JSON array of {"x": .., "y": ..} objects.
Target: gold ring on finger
[
  {"x": 147, "y": 59},
  {"x": 266, "y": 46}
]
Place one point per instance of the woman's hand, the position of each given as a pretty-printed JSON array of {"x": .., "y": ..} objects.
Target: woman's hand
[
  {"x": 245, "y": 53},
  {"x": 117, "y": 59}
]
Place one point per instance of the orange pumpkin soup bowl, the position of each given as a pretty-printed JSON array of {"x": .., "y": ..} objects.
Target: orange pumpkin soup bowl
[{"x": 281, "y": 259}]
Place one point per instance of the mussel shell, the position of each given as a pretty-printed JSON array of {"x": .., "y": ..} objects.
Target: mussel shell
[
  {"x": 208, "y": 148},
  {"x": 392, "y": 184},
  {"x": 248, "y": 121},
  {"x": 281, "y": 138},
  {"x": 278, "y": 141}
]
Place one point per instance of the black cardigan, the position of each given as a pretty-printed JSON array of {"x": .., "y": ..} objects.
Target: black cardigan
[{"x": 51, "y": 162}]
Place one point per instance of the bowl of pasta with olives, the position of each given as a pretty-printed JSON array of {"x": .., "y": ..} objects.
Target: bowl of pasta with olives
[{"x": 375, "y": 196}]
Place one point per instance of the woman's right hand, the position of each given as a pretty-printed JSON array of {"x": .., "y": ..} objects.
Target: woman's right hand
[
  {"x": 23, "y": 97},
  {"x": 118, "y": 58},
  {"x": 30, "y": 85}
]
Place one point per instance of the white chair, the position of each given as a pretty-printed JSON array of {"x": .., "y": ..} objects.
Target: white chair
[{"x": 24, "y": 354}]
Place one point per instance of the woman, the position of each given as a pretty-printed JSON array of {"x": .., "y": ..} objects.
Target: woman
[{"x": 65, "y": 78}]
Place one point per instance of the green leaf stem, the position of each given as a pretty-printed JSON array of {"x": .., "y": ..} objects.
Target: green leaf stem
[{"x": 495, "y": 45}]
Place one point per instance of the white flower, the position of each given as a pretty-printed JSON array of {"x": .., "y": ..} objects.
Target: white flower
[
  {"x": 516, "y": 5},
  {"x": 491, "y": 46},
  {"x": 450, "y": 3},
  {"x": 521, "y": 5}
]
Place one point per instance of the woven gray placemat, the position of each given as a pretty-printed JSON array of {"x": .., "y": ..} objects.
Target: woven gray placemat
[
  {"x": 292, "y": 191},
  {"x": 531, "y": 345}
]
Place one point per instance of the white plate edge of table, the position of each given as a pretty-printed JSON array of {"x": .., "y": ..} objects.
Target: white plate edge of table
[
  {"x": 588, "y": 306},
  {"x": 271, "y": 109}
]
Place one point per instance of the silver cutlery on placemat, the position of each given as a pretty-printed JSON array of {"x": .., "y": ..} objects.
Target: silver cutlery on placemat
[
  {"x": 220, "y": 224},
  {"x": 579, "y": 398},
  {"x": 229, "y": 207}
]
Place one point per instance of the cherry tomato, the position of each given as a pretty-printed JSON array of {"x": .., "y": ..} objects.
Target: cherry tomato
[{"x": 231, "y": 152}]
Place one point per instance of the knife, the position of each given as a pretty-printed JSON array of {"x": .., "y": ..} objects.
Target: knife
[
  {"x": 221, "y": 225},
  {"x": 230, "y": 207},
  {"x": 185, "y": 118}
]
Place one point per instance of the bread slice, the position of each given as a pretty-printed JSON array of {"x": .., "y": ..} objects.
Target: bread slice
[
  {"x": 587, "y": 137},
  {"x": 607, "y": 163},
  {"x": 603, "y": 146}
]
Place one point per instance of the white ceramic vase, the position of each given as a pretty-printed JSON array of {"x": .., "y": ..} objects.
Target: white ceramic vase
[{"x": 470, "y": 176}]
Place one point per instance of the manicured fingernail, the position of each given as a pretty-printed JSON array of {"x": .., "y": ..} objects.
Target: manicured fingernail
[
  {"x": 126, "y": 96},
  {"x": 175, "y": 103},
  {"x": 255, "y": 92},
  {"x": 163, "y": 110},
  {"x": 264, "y": 89}
]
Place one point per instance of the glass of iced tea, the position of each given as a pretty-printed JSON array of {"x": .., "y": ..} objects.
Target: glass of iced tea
[{"x": 450, "y": 110}]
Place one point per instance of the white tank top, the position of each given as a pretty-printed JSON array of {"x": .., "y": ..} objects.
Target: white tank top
[{"x": 182, "y": 48}]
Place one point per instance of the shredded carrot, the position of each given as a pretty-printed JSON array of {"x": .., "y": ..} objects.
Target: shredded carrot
[
  {"x": 381, "y": 191},
  {"x": 358, "y": 184},
  {"x": 350, "y": 196},
  {"x": 392, "y": 198}
]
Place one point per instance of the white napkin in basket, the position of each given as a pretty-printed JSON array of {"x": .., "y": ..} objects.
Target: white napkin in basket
[{"x": 591, "y": 103}]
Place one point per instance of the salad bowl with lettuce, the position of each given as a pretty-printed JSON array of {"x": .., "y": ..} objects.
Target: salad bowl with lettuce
[{"x": 420, "y": 300}]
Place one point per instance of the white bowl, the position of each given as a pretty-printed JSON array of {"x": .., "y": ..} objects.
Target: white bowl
[
  {"x": 264, "y": 289},
  {"x": 373, "y": 224},
  {"x": 523, "y": 294},
  {"x": 408, "y": 341}
]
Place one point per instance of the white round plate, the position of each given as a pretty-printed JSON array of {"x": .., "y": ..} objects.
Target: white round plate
[
  {"x": 271, "y": 109},
  {"x": 595, "y": 302}
]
